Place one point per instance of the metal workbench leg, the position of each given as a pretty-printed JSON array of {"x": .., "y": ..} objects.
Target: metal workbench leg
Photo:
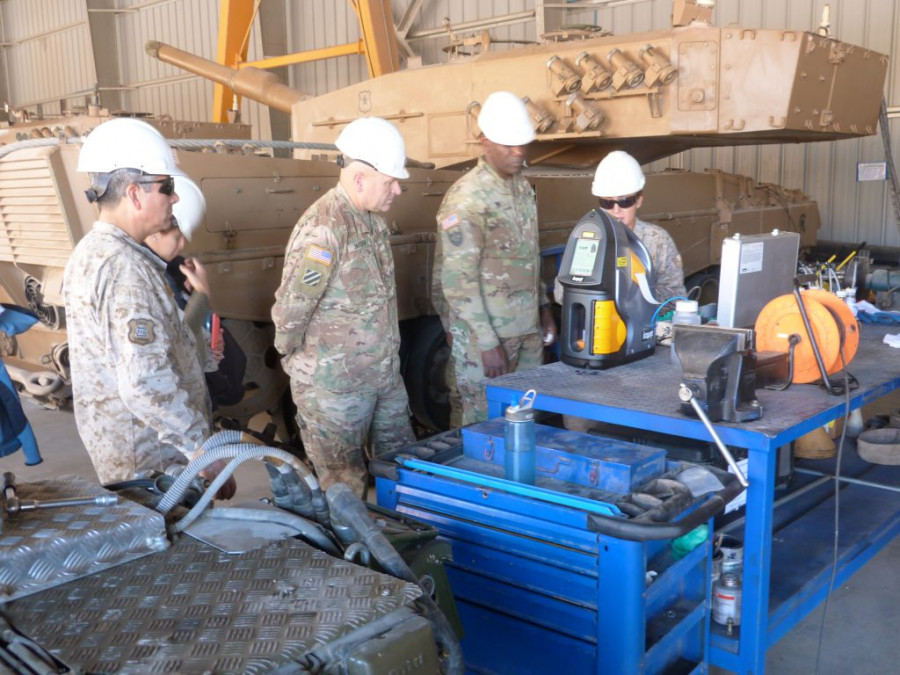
[{"x": 757, "y": 558}]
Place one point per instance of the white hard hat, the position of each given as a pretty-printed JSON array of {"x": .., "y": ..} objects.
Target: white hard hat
[
  {"x": 127, "y": 143},
  {"x": 504, "y": 119},
  {"x": 376, "y": 142},
  {"x": 190, "y": 208},
  {"x": 618, "y": 175}
]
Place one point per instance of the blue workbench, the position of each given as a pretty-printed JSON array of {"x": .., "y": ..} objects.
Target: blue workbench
[{"x": 778, "y": 593}]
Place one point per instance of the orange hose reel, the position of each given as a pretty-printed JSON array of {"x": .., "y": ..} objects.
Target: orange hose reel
[{"x": 829, "y": 318}]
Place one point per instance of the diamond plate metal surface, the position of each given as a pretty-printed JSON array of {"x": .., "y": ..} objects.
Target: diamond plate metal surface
[
  {"x": 47, "y": 547},
  {"x": 194, "y": 609}
]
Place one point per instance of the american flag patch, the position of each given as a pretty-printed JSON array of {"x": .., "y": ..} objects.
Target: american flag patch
[
  {"x": 319, "y": 254},
  {"x": 449, "y": 221}
]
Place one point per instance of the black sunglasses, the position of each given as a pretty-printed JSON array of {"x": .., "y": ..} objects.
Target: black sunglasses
[
  {"x": 624, "y": 202},
  {"x": 166, "y": 185}
]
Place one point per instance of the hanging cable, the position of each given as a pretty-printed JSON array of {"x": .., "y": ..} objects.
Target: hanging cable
[{"x": 837, "y": 509}]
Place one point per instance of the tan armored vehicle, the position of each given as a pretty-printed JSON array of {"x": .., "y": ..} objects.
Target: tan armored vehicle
[{"x": 653, "y": 94}]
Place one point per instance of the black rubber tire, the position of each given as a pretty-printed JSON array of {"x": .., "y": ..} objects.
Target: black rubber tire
[
  {"x": 426, "y": 361},
  {"x": 708, "y": 283}
]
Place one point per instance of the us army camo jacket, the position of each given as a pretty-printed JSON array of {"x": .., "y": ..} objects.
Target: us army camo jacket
[
  {"x": 665, "y": 257},
  {"x": 487, "y": 267},
  {"x": 139, "y": 393},
  {"x": 335, "y": 312}
]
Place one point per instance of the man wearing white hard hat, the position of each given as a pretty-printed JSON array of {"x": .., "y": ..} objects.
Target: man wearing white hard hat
[
  {"x": 224, "y": 362},
  {"x": 335, "y": 312},
  {"x": 139, "y": 393},
  {"x": 487, "y": 273},
  {"x": 619, "y": 183}
]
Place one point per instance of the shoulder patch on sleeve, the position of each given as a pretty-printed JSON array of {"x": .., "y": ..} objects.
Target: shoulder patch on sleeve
[
  {"x": 319, "y": 254},
  {"x": 450, "y": 221},
  {"x": 455, "y": 236},
  {"x": 312, "y": 278},
  {"x": 140, "y": 331}
]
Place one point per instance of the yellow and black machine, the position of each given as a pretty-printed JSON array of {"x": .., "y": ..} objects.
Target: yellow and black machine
[{"x": 608, "y": 307}]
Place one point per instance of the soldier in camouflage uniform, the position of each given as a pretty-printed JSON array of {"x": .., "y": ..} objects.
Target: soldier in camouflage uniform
[
  {"x": 335, "y": 312},
  {"x": 487, "y": 283},
  {"x": 619, "y": 183},
  {"x": 139, "y": 393}
]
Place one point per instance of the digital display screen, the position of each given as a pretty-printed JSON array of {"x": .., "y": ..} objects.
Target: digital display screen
[{"x": 584, "y": 257}]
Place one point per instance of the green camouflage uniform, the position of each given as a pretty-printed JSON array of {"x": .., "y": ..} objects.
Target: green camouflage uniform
[
  {"x": 138, "y": 390},
  {"x": 486, "y": 280},
  {"x": 335, "y": 320}
]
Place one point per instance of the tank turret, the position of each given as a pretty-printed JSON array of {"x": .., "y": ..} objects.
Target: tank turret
[{"x": 653, "y": 94}]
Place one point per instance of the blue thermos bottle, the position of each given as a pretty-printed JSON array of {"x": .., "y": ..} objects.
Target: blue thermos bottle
[{"x": 519, "y": 437}]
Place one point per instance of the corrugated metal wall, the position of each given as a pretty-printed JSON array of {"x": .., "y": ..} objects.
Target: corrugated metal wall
[
  {"x": 49, "y": 57},
  {"x": 48, "y": 52}
]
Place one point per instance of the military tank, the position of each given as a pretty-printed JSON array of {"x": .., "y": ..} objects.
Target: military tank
[{"x": 652, "y": 94}]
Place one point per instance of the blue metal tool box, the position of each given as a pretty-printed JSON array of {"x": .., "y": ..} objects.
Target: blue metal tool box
[{"x": 556, "y": 577}]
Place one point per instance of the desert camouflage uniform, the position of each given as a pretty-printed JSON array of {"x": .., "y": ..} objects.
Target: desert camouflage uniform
[
  {"x": 139, "y": 393},
  {"x": 335, "y": 320},
  {"x": 486, "y": 281},
  {"x": 667, "y": 267},
  {"x": 665, "y": 257}
]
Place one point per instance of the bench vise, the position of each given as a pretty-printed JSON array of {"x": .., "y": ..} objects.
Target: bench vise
[{"x": 719, "y": 367}]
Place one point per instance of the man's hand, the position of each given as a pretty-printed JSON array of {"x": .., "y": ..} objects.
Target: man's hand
[
  {"x": 495, "y": 361},
  {"x": 229, "y": 488},
  {"x": 217, "y": 346},
  {"x": 548, "y": 326},
  {"x": 195, "y": 275}
]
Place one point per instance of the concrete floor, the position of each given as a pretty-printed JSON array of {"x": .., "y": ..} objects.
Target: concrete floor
[{"x": 859, "y": 635}]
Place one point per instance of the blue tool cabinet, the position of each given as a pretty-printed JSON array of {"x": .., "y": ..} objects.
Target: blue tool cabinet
[{"x": 538, "y": 589}]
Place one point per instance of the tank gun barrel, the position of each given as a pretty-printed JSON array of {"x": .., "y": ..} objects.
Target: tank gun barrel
[{"x": 258, "y": 85}]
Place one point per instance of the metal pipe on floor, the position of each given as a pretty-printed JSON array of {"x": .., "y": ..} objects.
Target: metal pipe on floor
[
  {"x": 779, "y": 502},
  {"x": 854, "y": 481}
]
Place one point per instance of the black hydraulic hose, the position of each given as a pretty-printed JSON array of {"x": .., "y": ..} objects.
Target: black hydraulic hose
[
  {"x": 348, "y": 509},
  {"x": 636, "y": 531},
  {"x": 823, "y": 371},
  {"x": 793, "y": 341}
]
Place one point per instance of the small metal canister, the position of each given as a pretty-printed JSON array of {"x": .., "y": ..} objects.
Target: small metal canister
[{"x": 726, "y": 600}]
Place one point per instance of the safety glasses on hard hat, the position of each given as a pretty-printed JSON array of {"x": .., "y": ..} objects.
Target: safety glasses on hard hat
[
  {"x": 624, "y": 202},
  {"x": 166, "y": 185},
  {"x": 344, "y": 160}
]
